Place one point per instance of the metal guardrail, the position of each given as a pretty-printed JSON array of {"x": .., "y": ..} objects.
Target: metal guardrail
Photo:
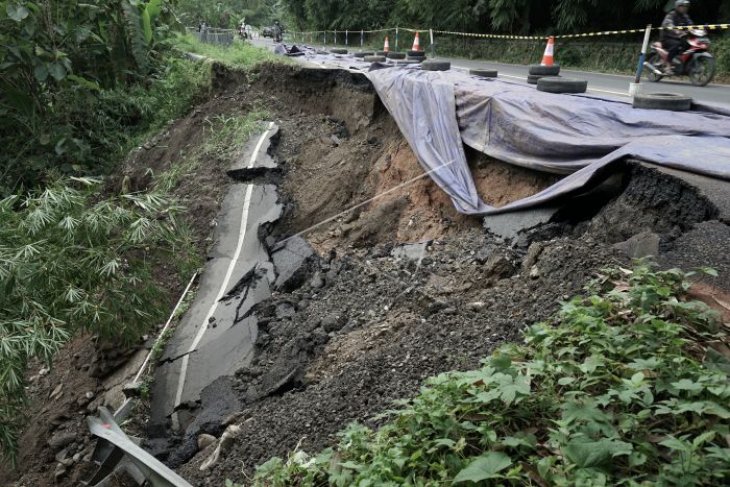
[
  {"x": 221, "y": 37},
  {"x": 116, "y": 451}
]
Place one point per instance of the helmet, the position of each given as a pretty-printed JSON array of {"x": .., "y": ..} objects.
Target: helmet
[{"x": 681, "y": 3}]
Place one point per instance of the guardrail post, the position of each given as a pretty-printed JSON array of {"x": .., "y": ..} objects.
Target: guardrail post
[
  {"x": 634, "y": 87},
  {"x": 335, "y": 37},
  {"x": 433, "y": 45},
  {"x": 396, "y": 39},
  {"x": 362, "y": 38},
  {"x": 346, "y": 34}
]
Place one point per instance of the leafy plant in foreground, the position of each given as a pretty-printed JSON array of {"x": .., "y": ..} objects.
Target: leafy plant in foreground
[
  {"x": 627, "y": 386},
  {"x": 71, "y": 260}
]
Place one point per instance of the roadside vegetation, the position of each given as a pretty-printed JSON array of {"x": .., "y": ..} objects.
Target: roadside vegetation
[
  {"x": 518, "y": 17},
  {"x": 627, "y": 385},
  {"x": 81, "y": 84},
  {"x": 238, "y": 55}
]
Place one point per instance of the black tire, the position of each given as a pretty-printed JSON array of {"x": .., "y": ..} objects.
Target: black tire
[
  {"x": 555, "y": 84},
  {"x": 396, "y": 55},
  {"x": 484, "y": 73},
  {"x": 413, "y": 53},
  {"x": 364, "y": 53},
  {"x": 653, "y": 59},
  {"x": 416, "y": 59},
  {"x": 532, "y": 78},
  {"x": 374, "y": 59},
  {"x": 381, "y": 53},
  {"x": 702, "y": 70},
  {"x": 435, "y": 65},
  {"x": 407, "y": 62},
  {"x": 663, "y": 101},
  {"x": 338, "y": 50},
  {"x": 539, "y": 69}
]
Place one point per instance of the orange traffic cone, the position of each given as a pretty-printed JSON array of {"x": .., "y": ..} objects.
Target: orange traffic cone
[
  {"x": 416, "y": 43},
  {"x": 386, "y": 46},
  {"x": 548, "y": 57}
]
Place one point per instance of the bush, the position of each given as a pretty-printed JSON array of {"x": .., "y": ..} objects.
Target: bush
[
  {"x": 627, "y": 386},
  {"x": 72, "y": 259},
  {"x": 90, "y": 129}
]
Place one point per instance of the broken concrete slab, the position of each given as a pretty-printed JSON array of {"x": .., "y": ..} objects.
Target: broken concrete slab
[
  {"x": 415, "y": 251},
  {"x": 509, "y": 225},
  {"x": 639, "y": 246},
  {"x": 288, "y": 257},
  {"x": 255, "y": 154},
  {"x": 716, "y": 191}
]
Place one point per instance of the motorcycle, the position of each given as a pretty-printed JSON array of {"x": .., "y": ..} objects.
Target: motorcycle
[{"x": 695, "y": 62}]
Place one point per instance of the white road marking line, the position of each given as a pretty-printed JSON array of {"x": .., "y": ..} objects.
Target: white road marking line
[
  {"x": 224, "y": 284},
  {"x": 596, "y": 90}
]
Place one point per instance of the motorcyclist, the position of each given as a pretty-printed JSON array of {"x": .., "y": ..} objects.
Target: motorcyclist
[{"x": 673, "y": 39}]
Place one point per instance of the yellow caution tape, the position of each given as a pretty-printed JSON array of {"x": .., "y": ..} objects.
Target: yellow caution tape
[{"x": 530, "y": 38}]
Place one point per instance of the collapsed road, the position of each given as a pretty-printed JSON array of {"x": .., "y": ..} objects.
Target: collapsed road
[
  {"x": 286, "y": 344},
  {"x": 196, "y": 388},
  {"x": 216, "y": 337}
]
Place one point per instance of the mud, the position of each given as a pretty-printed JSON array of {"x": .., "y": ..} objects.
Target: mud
[{"x": 362, "y": 323}]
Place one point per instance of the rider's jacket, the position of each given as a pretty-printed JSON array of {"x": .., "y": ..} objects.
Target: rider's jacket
[{"x": 674, "y": 19}]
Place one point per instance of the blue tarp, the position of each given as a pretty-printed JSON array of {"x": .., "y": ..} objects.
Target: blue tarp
[{"x": 576, "y": 135}]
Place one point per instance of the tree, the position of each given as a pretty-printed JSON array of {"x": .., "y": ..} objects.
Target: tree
[{"x": 56, "y": 55}]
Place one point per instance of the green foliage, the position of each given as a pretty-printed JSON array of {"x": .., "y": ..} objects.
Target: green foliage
[
  {"x": 73, "y": 259},
  {"x": 238, "y": 55},
  {"x": 91, "y": 130},
  {"x": 227, "y": 134},
  {"x": 229, "y": 13},
  {"x": 612, "y": 391},
  {"x": 508, "y": 16},
  {"x": 60, "y": 64}
]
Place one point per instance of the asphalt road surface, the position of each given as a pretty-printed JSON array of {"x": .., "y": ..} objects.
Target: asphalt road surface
[{"x": 600, "y": 83}]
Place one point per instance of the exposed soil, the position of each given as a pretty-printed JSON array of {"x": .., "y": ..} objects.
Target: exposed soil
[{"x": 366, "y": 325}]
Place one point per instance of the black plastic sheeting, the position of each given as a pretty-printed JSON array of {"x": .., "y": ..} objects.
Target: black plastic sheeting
[{"x": 576, "y": 135}]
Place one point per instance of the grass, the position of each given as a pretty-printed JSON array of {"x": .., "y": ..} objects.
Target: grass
[
  {"x": 228, "y": 134},
  {"x": 627, "y": 385},
  {"x": 240, "y": 55}
]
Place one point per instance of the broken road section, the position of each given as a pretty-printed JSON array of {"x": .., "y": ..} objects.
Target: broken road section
[{"x": 217, "y": 334}]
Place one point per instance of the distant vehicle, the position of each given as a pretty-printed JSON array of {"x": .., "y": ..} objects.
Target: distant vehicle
[
  {"x": 267, "y": 32},
  {"x": 695, "y": 61}
]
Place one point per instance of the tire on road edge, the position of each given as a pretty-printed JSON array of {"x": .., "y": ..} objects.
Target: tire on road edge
[
  {"x": 396, "y": 55},
  {"x": 374, "y": 59},
  {"x": 484, "y": 73},
  {"x": 663, "y": 101},
  {"x": 364, "y": 53},
  {"x": 435, "y": 65},
  {"x": 555, "y": 84},
  {"x": 539, "y": 69},
  {"x": 532, "y": 78},
  {"x": 338, "y": 50}
]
